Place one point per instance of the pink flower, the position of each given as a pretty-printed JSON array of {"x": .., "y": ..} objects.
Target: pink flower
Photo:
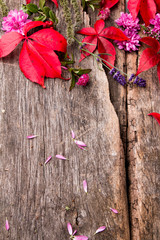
[
  {"x": 70, "y": 230},
  {"x": 83, "y": 80},
  {"x": 104, "y": 13},
  {"x": 126, "y": 21},
  {"x": 15, "y": 21}
]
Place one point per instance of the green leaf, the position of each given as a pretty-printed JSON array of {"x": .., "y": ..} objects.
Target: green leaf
[
  {"x": 83, "y": 4},
  {"x": 46, "y": 11},
  {"x": 32, "y": 8},
  {"x": 40, "y": 18},
  {"x": 91, "y": 6},
  {"x": 41, "y": 3},
  {"x": 73, "y": 82},
  {"x": 52, "y": 15}
]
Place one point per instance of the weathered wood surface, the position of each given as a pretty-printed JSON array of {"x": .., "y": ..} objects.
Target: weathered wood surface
[{"x": 123, "y": 147}]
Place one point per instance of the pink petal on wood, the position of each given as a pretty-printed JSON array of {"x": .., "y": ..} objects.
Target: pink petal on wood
[
  {"x": 73, "y": 134},
  {"x": 80, "y": 238},
  {"x": 69, "y": 227},
  {"x": 61, "y": 157},
  {"x": 85, "y": 185},
  {"x": 7, "y": 225},
  {"x": 100, "y": 229},
  {"x": 114, "y": 210},
  {"x": 80, "y": 143},
  {"x": 32, "y": 136},
  {"x": 48, "y": 159}
]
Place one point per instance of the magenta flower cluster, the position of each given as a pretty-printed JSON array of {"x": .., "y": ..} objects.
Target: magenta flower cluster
[
  {"x": 104, "y": 13},
  {"x": 130, "y": 29},
  {"x": 83, "y": 80},
  {"x": 15, "y": 21},
  {"x": 154, "y": 31}
]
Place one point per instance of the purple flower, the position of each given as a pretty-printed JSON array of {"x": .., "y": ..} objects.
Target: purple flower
[
  {"x": 126, "y": 21},
  {"x": 131, "y": 77},
  {"x": 83, "y": 80},
  {"x": 155, "y": 32},
  {"x": 104, "y": 13},
  {"x": 15, "y": 21},
  {"x": 112, "y": 71},
  {"x": 119, "y": 78},
  {"x": 70, "y": 230},
  {"x": 140, "y": 82}
]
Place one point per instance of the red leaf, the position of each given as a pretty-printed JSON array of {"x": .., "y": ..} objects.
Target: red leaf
[
  {"x": 156, "y": 116},
  {"x": 87, "y": 31},
  {"x": 8, "y": 42},
  {"x": 91, "y": 48},
  {"x": 134, "y": 7},
  {"x": 158, "y": 5},
  {"x": 28, "y": 1},
  {"x": 50, "y": 39},
  {"x": 48, "y": 58},
  {"x": 31, "y": 25},
  {"x": 108, "y": 3},
  {"x": 114, "y": 33},
  {"x": 148, "y": 59},
  {"x": 99, "y": 25},
  {"x": 31, "y": 66},
  {"x": 147, "y": 9},
  {"x": 104, "y": 46},
  {"x": 158, "y": 71},
  {"x": 55, "y": 1},
  {"x": 152, "y": 42}
]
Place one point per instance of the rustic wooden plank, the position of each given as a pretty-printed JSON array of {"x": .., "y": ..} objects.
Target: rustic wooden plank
[
  {"x": 34, "y": 196},
  {"x": 143, "y": 155}
]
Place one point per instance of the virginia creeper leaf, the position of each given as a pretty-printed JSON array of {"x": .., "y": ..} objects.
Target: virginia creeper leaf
[
  {"x": 31, "y": 25},
  {"x": 156, "y": 116},
  {"x": 31, "y": 66},
  {"x": 147, "y": 9},
  {"x": 89, "y": 47},
  {"x": 108, "y": 3},
  {"x": 8, "y": 42}
]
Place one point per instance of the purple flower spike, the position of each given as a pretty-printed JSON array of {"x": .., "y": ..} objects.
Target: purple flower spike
[
  {"x": 61, "y": 157},
  {"x": 114, "y": 210},
  {"x": 85, "y": 185},
  {"x": 48, "y": 159},
  {"x": 73, "y": 134},
  {"x": 32, "y": 136},
  {"x": 100, "y": 229},
  {"x": 80, "y": 238},
  {"x": 80, "y": 143},
  {"x": 7, "y": 225},
  {"x": 69, "y": 227}
]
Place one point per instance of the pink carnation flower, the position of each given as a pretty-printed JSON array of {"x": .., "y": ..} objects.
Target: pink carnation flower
[
  {"x": 83, "y": 80},
  {"x": 15, "y": 21},
  {"x": 126, "y": 21}
]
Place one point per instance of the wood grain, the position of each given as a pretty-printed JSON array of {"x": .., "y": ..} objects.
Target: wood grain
[{"x": 33, "y": 196}]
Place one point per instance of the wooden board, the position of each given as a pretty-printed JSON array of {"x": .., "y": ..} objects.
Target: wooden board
[{"x": 122, "y": 147}]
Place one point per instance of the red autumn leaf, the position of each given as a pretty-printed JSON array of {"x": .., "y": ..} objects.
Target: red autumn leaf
[
  {"x": 108, "y": 3},
  {"x": 156, "y": 116},
  {"x": 37, "y": 57},
  {"x": 55, "y": 1},
  {"x": 97, "y": 36},
  {"x": 150, "y": 56},
  {"x": 147, "y": 9}
]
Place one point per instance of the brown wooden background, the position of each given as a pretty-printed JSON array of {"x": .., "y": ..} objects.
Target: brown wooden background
[{"x": 121, "y": 164}]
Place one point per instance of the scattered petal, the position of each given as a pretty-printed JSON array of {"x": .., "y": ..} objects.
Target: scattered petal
[
  {"x": 74, "y": 232},
  {"x": 32, "y": 136},
  {"x": 100, "y": 229},
  {"x": 85, "y": 185},
  {"x": 61, "y": 157},
  {"x": 114, "y": 210},
  {"x": 48, "y": 159},
  {"x": 80, "y": 238},
  {"x": 73, "y": 134},
  {"x": 7, "y": 225},
  {"x": 80, "y": 143},
  {"x": 69, "y": 227},
  {"x": 81, "y": 147}
]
